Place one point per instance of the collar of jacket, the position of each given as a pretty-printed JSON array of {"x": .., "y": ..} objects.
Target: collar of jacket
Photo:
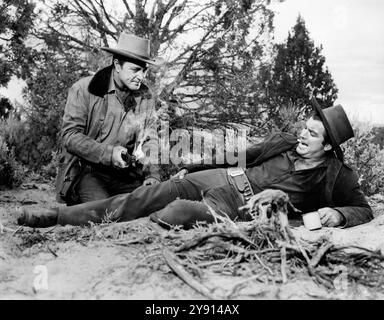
[
  {"x": 99, "y": 84},
  {"x": 334, "y": 166}
]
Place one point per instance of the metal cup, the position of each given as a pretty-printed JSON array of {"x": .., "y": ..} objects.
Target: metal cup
[{"x": 312, "y": 220}]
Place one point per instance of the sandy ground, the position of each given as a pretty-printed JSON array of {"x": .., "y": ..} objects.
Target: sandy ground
[{"x": 89, "y": 263}]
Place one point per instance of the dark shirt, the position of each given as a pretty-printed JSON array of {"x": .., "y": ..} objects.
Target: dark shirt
[{"x": 279, "y": 173}]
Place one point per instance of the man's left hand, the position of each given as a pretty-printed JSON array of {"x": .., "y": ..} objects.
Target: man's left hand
[
  {"x": 150, "y": 181},
  {"x": 330, "y": 217}
]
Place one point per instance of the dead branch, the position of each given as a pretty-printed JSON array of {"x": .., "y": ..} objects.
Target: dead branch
[
  {"x": 131, "y": 14},
  {"x": 283, "y": 253},
  {"x": 202, "y": 239},
  {"x": 3, "y": 228},
  {"x": 172, "y": 261},
  {"x": 52, "y": 251},
  {"x": 320, "y": 253}
]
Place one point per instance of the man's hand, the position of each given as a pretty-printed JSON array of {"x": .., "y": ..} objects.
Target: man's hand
[
  {"x": 150, "y": 181},
  {"x": 117, "y": 161},
  {"x": 330, "y": 217},
  {"x": 181, "y": 174}
]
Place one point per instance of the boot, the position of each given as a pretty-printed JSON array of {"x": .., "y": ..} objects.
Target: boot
[{"x": 37, "y": 217}]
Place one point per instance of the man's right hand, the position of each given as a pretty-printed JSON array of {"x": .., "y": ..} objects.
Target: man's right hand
[
  {"x": 117, "y": 161},
  {"x": 180, "y": 175}
]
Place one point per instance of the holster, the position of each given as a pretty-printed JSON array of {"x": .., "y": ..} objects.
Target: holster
[
  {"x": 68, "y": 176},
  {"x": 240, "y": 180}
]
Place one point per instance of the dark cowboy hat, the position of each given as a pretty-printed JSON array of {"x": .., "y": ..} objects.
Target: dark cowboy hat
[
  {"x": 133, "y": 47},
  {"x": 336, "y": 124}
]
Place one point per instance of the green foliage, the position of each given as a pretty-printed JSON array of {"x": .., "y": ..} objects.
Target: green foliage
[
  {"x": 12, "y": 173},
  {"x": 297, "y": 72},
  {"x": 222, "y": 61},
  {"x": 5, "y": 107},
  {"x": 49, "y": 170},
  {"x": 378, "y": 136},
  {"x": 211, "y": 77},
  {"x": 46, "y": 96},
  {"x": 366, "y": 158},
  {"x": 222, "y": 79},
  {"x": 20, "y": 140},
  {"x": 16, "y": 21},
  {"x": 292, "y": 119}
]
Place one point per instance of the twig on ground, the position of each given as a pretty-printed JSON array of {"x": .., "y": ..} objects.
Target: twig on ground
[
  {"x": 51, "y": 251},
  {"x": 223, "y": 218},
  {"x": 241, "y": 284},
  {"x": 209, "y": 263},
  {"x": 3, "y": 228},
  {"x": 51, "y": 229},
  {"x": 17, "y": 230},
  {"x": 173, "y": 263},
  {"x": 226, "y": 235},
  {"x": 263, "y": 264},
  {"x": 283, "y": 253},
  {"x": 320, "y": 253},
  {"x": 145, "y": 239}
]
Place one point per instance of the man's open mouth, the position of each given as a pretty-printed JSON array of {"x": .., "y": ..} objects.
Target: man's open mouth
[{"x": 302, "y": 143}]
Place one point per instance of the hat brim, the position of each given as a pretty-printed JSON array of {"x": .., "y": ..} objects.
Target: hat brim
[
  {"x": 131, "y": 55},
  {"x": 335, "y": 145}
]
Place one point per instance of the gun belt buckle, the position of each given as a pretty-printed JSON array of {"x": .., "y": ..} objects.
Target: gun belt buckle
[{"x": 235, "y": 171}]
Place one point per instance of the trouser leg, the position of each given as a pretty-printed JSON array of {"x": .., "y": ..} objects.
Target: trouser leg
[
  {"x": 182, "y": 212},
  {"x": 224, "y": 201},
  {"x": 123, "y": 207},
  {"x": 142, "y": 201},
  {"x": 91, "y": 187}
]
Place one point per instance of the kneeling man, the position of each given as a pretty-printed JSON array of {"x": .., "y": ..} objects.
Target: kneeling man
[{"x": 309, "y": 169}]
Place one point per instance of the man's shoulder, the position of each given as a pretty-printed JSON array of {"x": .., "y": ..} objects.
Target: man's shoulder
[
  {"x": 346, "y": 173},
  {"x": 348, "y": 170},
  {"x": 82, "y": 82},
  {"x": 281, "y": 137},
  {"x": 348, "y": 167}
]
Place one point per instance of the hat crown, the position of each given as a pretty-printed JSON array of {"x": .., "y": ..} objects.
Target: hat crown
[
  {"x": 133, "y": 44},
  {"x": 336, "y": 124},
  {"x": 134, "y": 47}
]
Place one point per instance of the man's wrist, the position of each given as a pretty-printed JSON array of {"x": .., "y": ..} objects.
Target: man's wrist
[{"x": 343, "y": 220}]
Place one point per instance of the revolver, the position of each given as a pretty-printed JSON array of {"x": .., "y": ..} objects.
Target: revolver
[{"x": 129, "y": 159}]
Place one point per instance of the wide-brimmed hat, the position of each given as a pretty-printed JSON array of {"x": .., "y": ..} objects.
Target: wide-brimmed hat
[
  {"x": 133, "y": 47},
  {"x": 337, "y": 125}
]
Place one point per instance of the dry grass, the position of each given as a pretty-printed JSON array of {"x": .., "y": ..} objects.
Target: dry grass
[{"x": 245, "y": 253}]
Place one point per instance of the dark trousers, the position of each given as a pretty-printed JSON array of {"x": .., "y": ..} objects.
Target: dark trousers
[
  {"x": 176, "y": 201},
  {"x": 102, "y": 183}
]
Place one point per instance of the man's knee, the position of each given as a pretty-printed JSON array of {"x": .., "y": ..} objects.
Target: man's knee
[{"x": 182, "y": 212}]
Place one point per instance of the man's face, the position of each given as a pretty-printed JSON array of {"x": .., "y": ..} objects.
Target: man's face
[
  {"x": 311, "y": 140},
  {"x": 130, "y": 74}
]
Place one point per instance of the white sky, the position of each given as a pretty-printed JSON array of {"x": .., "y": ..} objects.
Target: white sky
[{"x": 352, "y": 35}]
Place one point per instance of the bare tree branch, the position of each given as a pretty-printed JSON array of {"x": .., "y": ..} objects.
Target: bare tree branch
[{"x": 128, "y": 9}]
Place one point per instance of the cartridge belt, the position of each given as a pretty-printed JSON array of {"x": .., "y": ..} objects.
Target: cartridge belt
[{"x": 240, "y": 180}]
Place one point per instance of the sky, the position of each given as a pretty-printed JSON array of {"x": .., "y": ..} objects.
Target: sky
[{"x": 352, "y": 35}]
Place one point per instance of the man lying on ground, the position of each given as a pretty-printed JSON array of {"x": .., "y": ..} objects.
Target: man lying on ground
[{"x": 309, "y": 169}]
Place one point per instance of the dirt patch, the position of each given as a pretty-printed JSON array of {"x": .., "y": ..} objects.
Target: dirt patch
[{"x": 126, "y": 260}]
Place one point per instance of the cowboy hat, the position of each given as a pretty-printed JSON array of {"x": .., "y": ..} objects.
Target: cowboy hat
[
  {"x": 133, "y": 47},
  {"x": 336, "y": 124}
]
